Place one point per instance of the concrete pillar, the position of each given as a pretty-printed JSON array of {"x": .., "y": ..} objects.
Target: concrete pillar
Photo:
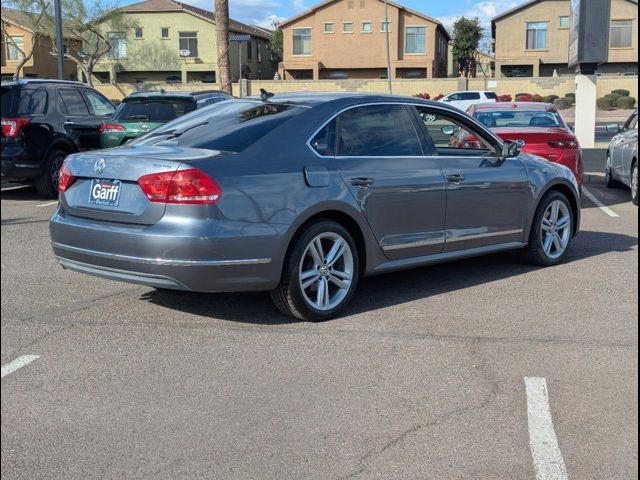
[
  {"x": 536, "y": 69},
  {"x": 586, "y": 94},
  {"x": 183, "y": 74},
  {"x": 316, "y": 71}
]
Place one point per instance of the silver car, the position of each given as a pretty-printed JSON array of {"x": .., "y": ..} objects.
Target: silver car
[
  {"x": 622, "y": 156},
  {"x": 302, "y": 195}
]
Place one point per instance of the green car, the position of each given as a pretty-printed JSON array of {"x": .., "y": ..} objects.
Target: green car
[{"x": 141, "y": 112}]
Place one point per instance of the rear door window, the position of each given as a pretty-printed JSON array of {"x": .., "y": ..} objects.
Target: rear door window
[
  {"x": 72, "y": 103},
  {"x": 490, "y": 95},
  {"x": 161, "y": 111},
  {"x": 23, "y": 101},
  {"x": 324, "y": 141},
  {"x": 469, "y": 96},
  {"x": 101, "y": 106},
  {"x": 377, "y": 131}
]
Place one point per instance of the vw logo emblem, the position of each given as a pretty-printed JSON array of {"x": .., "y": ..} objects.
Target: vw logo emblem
[
  {"x": 99, "y": 166},
  {"x": 521, "y": 143}
]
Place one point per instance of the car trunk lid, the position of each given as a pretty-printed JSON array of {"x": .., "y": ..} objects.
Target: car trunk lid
[
  {"x": 121, "y": 168},
  {"x": 537, "y": 141}
]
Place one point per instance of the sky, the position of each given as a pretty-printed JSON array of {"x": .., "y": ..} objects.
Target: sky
[{"x": 264, "y": 12}]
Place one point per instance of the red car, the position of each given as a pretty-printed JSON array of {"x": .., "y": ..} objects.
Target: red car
[{"x": 538, "y": 127}]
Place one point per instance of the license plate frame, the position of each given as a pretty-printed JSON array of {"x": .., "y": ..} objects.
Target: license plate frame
[{"x": 105, "y": 193}]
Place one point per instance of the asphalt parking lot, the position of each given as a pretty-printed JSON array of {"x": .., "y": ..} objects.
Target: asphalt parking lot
[{"x": 480, "y": 369}]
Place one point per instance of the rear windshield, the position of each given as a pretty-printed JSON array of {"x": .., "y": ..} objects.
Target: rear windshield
[
  {"x": 520, "y": 118},
  {"x": 153, "y": 110},
  {"x": 22, "y": 101},
  {"x": 231, "y": 126}
]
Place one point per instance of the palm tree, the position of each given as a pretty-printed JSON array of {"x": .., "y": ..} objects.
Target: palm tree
[{"x": 222, "y": 34}]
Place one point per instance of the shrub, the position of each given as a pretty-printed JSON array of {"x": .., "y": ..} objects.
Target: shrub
[
  {"x": 550, "y": 98},
  {"x": 524, "y": 97},
  {"x": 424, "y": 96},
  {"x": 505, "y": 98},
  {"x": 571, "y": 98},
  {"x": 626, "y": 102},
  {"x": 621, "y": 92},
  {"x": 605, "y": 103},
  {"x": 438, "y": 97},
  {"x": 536, "y": 98},
  {"x": 571, "y": 95},
  {"x": 521, "y": 94},
  {"x": 613, "y": 96},
  {"x": 562, "y": 103}
]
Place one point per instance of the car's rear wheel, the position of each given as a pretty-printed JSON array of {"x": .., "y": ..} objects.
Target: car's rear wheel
[
  {"x": 551, "y": 232},
  {"x": 634, "y": 183},
  {"x": 320, "y": 273},
  {"x": 47, "y": 183},
  {"x": 608, "y": 174}
]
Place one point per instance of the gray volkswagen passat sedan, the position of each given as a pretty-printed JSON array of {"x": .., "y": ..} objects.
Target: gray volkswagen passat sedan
[
  {"x": 622, "y": 156},
  {"x": 302, "y": 195}
]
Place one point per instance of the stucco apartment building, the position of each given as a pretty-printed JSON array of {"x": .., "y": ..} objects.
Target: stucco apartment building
[
  {"x": 42, "y": 64},
  {"x": 340, "y": 39},
  {"x": 169, "y": 41},
  {"x": 533, "y": 39}
]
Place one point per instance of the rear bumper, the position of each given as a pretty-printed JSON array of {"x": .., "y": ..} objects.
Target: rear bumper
[
  {"x": 14, "y": 162},
  {"x": 213, "y": 257}
]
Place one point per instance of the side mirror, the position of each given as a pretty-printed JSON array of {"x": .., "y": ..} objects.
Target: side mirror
[
  {"x": 613, "y": 128},
  {"x": 448, "y": 130},
  {"x": 510, "y": 149}
]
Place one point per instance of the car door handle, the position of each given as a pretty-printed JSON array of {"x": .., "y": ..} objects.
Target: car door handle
[
  {"x": 362, "y": 182},
  {"x": 456, "y": 178}
]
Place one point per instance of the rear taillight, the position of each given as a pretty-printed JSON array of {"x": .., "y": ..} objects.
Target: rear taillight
[
  {"x": 192, "y": 187},
  {"x": 111, "y": 127},
  {"x": 567, "y": 143},
  {"x": 65, "y": 179},
  {"x": 11, "y": 127}
]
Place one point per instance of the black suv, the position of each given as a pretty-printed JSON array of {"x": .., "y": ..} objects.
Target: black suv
[{"x": 42, "y": 122}]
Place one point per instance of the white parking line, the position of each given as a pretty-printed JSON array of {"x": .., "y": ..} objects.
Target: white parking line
[
  {"x": 598, "y": 203},
  {"x": 18, "y": 363},
  {"x": 547, "y": 457},
  {"x": 47, "y": 204}
]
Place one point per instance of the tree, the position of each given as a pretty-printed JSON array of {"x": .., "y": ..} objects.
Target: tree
[
  {"x": 32, "y": 15},
  {"x": 222, "y": 36},
  {"x": 467, "y": 34},
  {"x": 276, "y": 44},
  {"x": 95, "y": 27}
]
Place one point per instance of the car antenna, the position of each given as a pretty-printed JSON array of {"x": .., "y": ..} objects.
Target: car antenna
[{"x": 265, "y": 96}]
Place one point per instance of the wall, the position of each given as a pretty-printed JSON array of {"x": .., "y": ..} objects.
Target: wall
[{"x": 543, "y": 86}]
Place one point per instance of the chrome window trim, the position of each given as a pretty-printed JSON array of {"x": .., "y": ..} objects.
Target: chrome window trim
[
  {"x": 162, "y": 261},
  {"x": 370, "y": 104}
]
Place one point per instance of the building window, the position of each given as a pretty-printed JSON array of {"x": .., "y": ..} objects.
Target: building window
[
  {"x": 347, "y": 27},
  {"x": 118, "y": 45},
  {"x": 328, "y": 27},
  {"x": 366, "y": 27},
  {"x": 385, "y": 26},
  {"x": 621, "y": 34},
  {"x": 15, "y": 48},
  {"x": 259, "y": 52},
  {"x": 414, "y": 40},
  {"x": 138, "y": 32},
  {"x": 565, "y": 22},
  {"x": 189, "y": 41},
  {"x": 536, "y": 35},
  {"x": 302, "y": 41},
  {"x": 249, "y": 50},
  {"x": 350, "y": 4},
  {"x": 164, "y": 32}
]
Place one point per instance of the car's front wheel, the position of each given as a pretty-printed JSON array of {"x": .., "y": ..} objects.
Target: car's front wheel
[
  {"x": 320, "y": 273},
  {"x": 634, "y": 183},
  {"x": 551, "y": 231}
]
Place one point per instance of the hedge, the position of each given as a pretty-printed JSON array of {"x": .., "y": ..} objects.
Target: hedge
[
  {"x": 562, "y": 103},
  {"x": 605, "y": 103},
  {"x": 621, "y": 92},
  {"x": 626, "y": 102}
]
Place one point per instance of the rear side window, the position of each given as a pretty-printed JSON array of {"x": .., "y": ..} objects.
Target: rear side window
[
  {"x": 16, "y": 101},
  {"x": 377, "y": 131},
  {"x": 469, "y": 96},
  {"x": 325, "y": 140},
  {"x": 228, "y": 126},
  {"x": 100, "y": 105},
  {"x": 72, "y": 103},
  {"x": 153, "y": 110},
  {"x": 490, "y": 95}
]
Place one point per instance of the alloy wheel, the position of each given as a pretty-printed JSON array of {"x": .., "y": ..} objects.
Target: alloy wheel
[
  {"x": 634, "y": 182},
  {"x": 326, "y": 271},
  {"x": 556, "y": 229},
  {"x": 56, "y": 165}
]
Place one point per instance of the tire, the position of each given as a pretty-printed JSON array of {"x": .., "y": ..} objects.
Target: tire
[
  {"x": 47, "y": 183},
  {"x": 550, "y": 241},
  {"x": 295, "y": 300},
  {"x": 608, "y": 174},
  {"x": 634, "y": 183}
]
